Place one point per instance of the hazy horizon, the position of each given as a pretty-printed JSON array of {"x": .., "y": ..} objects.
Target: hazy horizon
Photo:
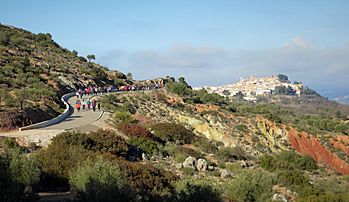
[{"x": 207, "y": 42}]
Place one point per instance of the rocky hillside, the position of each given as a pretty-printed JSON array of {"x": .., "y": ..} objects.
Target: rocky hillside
[{"x": 35, "y": 71}]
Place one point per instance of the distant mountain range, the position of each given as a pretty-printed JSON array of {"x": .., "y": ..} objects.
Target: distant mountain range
[{"x": 344, "y": 99}]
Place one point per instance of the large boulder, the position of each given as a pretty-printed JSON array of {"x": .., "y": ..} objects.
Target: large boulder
[
  {"x": 202, "y": 165},
  {"x": 190, "y": 162}
]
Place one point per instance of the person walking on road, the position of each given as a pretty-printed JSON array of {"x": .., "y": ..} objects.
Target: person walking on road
[
  {"x": 77, "y": 94},
  {"x": 77, "y": 105},
  {"x": 89, "y": 104},
  {"x": 99, "y": 106},
  {"x": 83, "y": 104},
  {"x": 94, "y": 105}
]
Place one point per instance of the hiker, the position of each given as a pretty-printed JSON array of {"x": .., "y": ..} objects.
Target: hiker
[
  {"x": 94, "y": 105},
  {"x": 77, "y": 94},
  {"x": 99, "y": 106},
  {"x": 78, "y": 104},
  {"x": 83, "y": 104},
  {"x": 89, "y": 104}
]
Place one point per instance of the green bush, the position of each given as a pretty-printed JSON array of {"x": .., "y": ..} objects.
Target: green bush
[
  {"x": 249, "y": 186},
  {"x": 230, "y": 154},
  {"x": 134, "y": 130},
  {"x": 171, "y": 132},
  {"x": 292, "y": 178},
  {"x": 205, "y": 144},
  {"x": 19, "y": 175},
  {"x": 148, "y": 146},
  {"x": 98, "y": 180},
  {"x": 187, "y": 190},
  {"x": 148, "y": 181},
  {"x": 59, "y": 158},
  {"x": 109, "y": 141},
  {"x": 123, "y": 117},
  {"x": 324, "y": 197},
  {"x": 288, "y": 160}
]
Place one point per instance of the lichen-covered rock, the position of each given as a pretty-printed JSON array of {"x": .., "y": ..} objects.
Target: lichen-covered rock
[
  {"x": 190, "y": 162},
  {"x": 179, "y": 165},
  {"x": 202, "y": 165},
  {"x": 145, "y": 157},
  {"x": 225, "y": 174}
]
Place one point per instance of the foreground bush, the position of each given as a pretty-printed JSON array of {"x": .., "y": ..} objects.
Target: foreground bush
[
  {"x": 249, "y": 186},
  {"x": 195, "y": 190},
  {"x": 98, "y": 181},
  {"x": 171, "y": 132},
  {"x": 19, "y": 175},
  {"x": 59, "y": 158},
  {"x": 147, "y": 180}
]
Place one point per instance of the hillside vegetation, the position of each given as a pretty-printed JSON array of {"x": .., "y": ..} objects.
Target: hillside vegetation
[{"x": 35, "y": 72}]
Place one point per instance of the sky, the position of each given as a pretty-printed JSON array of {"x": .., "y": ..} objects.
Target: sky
[{"x": 209, "y": 42}]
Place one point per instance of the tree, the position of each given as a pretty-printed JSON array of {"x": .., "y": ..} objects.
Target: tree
[
  {"x": 239, "y": 96},
  {"x": 75, "y": 53},
  {"x": 226, "y": 92},
  {"x": 91, "y": 57},
  {"x": 182, "y": 81},
  {"x": 129, "y": 76},
  {"x": 282, "y": 77},
  {"x": 22, "y": 96}
]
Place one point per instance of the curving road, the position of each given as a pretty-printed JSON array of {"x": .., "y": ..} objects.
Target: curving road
[{"x": 85, "y": 121}]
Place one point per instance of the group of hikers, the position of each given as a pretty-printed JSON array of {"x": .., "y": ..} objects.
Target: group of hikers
[
  {"x": 94, "y": 90},
  {"x": 90, "y": 104}
]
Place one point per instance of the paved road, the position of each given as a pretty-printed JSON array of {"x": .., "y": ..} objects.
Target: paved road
[{"x": 85, "y": 121}]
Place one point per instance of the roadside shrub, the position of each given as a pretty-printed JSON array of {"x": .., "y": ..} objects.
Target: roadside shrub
[
  {"x": 171, "y": 132},
  {"x": 123, "y": 117},
  {"x": 74, "y": 138},
  {"x": 134, "y": 130},
  {"x": 195, "y": 190},
  {"x": 109, "y": 141},
  {"x": 98, "y": 181},
  {"x": 249, "y": 186}
]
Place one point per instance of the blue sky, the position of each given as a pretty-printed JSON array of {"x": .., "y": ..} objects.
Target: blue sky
[{"x": 208, "y": 42}]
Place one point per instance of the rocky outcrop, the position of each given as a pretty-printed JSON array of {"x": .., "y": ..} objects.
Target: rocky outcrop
[
  {"x": 308, "y": 145},
  {"x": 190, "y": 162},
  {"x": 202, "y": 165}
]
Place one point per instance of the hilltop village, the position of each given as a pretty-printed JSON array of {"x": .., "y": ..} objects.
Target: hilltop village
[{"x": 252, "y": 87}]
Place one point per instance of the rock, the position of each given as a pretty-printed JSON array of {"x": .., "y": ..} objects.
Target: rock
[
  {"x": 211, "y": 168},
  {"x": 145, "y": 157},
  {"x": 202, "y": 165},
  {"x": 278, "y": 197},
  {"x": 179, "y": 165},
  {"x": 225, "y": 174},
  {"x": 189, "y": 162}
]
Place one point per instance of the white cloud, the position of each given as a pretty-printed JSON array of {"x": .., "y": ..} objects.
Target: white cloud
[
  {"x": 298, "y": 42},
  {"x": 325, "y": 69}
]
